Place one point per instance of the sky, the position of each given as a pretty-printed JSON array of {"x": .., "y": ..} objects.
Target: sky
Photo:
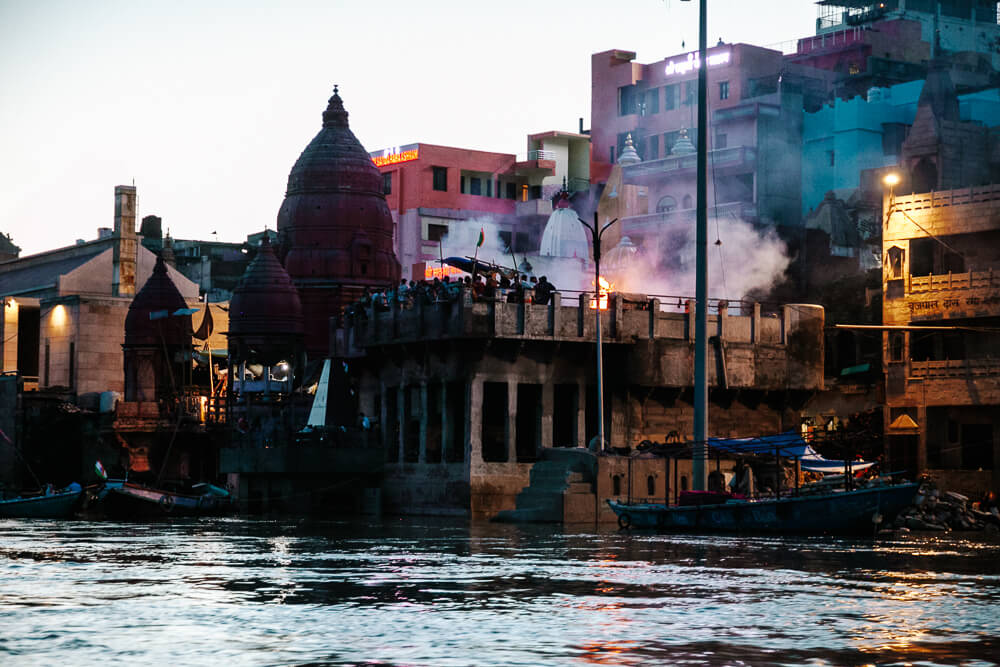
[{"x": 205, "y": 106}]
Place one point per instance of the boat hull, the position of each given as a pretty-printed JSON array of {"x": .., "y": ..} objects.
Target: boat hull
[
  {"x": 56, "y": 506},
  {"x": 845, "y": 512},
  {"x": 134, "y": 501}
]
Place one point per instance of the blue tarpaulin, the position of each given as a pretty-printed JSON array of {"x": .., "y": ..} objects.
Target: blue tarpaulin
[{"x": 789, "y": 445}]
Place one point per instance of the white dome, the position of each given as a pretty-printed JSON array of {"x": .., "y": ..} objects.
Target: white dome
[{"x": 564, "y": 236}]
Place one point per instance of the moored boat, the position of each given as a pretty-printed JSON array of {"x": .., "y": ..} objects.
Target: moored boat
[
  {"x": 54, "y": 504},
  {"x": 857, "y": 511},
  {"x": 131, "y": 500}
]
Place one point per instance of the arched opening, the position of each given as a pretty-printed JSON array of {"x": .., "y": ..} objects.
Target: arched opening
[
  {"x": 650, "y": 486},
  {"x": 687, "y": 202},
  {"x": 684, "y": 483},
  {"x": 616, "y": 485},
  {"x": 924, "y": 176},
  {"x": 666, "y": 204}
]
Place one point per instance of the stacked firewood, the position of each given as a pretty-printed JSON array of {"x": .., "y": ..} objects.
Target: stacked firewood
[{"x": 936, "y": 510}]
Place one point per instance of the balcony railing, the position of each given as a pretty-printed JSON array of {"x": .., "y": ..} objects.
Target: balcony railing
[
  {"x": 951, "y": 368},
  {"x": 541, "y": 155},
  {"x": 722, "y": 157},
  {"x": 649, "y": 221},
  {"x": 970, "y": 280}
]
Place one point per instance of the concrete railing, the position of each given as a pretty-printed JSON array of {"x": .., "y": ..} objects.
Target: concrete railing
[
  {"x": 959, "y": 197},
  {"x": 954, "y": 281},
  {"x": 955, "y": 368}
]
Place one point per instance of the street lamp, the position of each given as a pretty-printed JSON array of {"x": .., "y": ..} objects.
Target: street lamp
[
  {"x": 892, "y": 180},
  {"x": 596, "y": 231}
]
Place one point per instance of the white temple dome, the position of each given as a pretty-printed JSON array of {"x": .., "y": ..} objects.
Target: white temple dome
[{"x": 564, "y": 236}]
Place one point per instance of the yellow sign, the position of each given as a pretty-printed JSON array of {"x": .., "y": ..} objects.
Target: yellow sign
[{"x": 394, "y": 158}]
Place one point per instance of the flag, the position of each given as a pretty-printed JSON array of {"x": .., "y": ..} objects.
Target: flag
[
  {"x": 100, "y": 470},
  {"x": 482, "y": 237}
]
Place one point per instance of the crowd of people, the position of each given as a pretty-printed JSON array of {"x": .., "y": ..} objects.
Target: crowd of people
[{"x": 494, "y": 286}]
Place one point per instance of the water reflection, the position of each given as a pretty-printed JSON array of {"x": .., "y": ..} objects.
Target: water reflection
[{"x": 424, "y": 592}]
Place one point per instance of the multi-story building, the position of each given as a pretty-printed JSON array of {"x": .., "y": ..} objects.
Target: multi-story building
[
  {"x": 437, "y": 191},
  {"x": 941, "y": 307}
]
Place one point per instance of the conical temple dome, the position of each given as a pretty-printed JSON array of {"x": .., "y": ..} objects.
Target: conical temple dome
[
  {"x": 621, "y": 256},
  {"x": 159, "y": 297},
  {"x": 335, "y": 225},
  {"x": 265, "y": 302},
  {"x": 564, "y": 236}
]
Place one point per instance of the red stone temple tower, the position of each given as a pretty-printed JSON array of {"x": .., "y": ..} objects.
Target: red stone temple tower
[{"x": 335, "y": 227}]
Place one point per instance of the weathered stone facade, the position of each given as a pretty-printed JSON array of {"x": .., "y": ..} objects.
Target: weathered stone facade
[
  {"x": 467, "y": 394},
  {"x": 941, "y": 307}
]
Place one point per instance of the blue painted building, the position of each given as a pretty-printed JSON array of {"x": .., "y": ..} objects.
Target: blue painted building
[{"x": 842, "y": 139}]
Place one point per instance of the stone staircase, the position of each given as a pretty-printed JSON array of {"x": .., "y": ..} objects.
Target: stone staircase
[{"x": 561, "y": 489}]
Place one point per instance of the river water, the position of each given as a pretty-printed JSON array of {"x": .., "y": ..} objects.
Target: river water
[{"x": 446, "y": 592}]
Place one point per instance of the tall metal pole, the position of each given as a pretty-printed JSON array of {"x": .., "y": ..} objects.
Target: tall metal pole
[
  {"x": 701, "y": 257},
  {"x": 596, "y": 232}
]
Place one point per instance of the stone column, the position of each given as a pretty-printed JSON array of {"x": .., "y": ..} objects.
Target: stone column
[
  {"x": 475, "y": 421},
  {"x": 755, "y": 325},
  {"x": 401, "y": 420},
  {"x": 581, "y": 414},
  {"x": 511, "y": 429},
  {"x": 922, "y": 439},
  {"x": 447, "y": 440},
  {"x": 422, "y": 458},
  {"x": 548, "y": 412}
]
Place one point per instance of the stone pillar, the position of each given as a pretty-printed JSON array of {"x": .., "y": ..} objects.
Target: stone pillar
[
  {"x": 422, "y": 458},
  {"x": 654, "y": 315},
  {"x": 401, "y": 420},
  {"x": 548, "y": 412},
  {"x": 511, "y": 429},
  {"x": 723, "y": 320},
  {"x": 475, "y": 421},
  {"x": 755, "y": 324},
  {"x": 555, "y": 308},
  {"x": 690, "y": 312},
  {"x": 581, "y": 414},
  {"x": 447, "y": 440},
  {"x": 922, "y": 439}
]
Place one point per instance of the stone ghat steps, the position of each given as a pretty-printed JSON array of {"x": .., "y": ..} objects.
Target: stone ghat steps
[{"x": 561, "y": 489}]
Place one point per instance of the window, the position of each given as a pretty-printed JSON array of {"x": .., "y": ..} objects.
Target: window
[
  {"x": 723, "y": 90},
  {"x": 535, "y": 192},
  {"x": 440, "y": 178},
  {"x": 611, "y": 157},
  {"x": 666, "y": 204},
  {"x": 690, "y": 92},
  {"x": 475, "y": 186},
  {"x": 687, "y": 202},
  {"x": 511, "y": 191},
  {"x": 670, "y": 96},
  {"x": 436, "y": 232},
  {"x": 616, "y": 485},
  {"x": 669, "y": 139},
  {"x": 461, "y": 185},
  {"x": 653, "y": 148},
  {"x": 653, "y": 101},
  {"x": 489, "y": 187},
  {"x": 896, "y": 347},
  {"x": 626, "y": 100},
  {"x": 651, "y": 486},
  {"x": 720, "y": 140},
  {"x": 387, "y": 183}
]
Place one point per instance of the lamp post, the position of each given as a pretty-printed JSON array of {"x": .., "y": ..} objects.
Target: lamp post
[
  {"x": 892, "y": 180},
  {"x": 596, "y": 231}
]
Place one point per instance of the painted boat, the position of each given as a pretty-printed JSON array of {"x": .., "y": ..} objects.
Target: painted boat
[
  {"x": 131, "y": 500},
  {"x": 56, "y": 505},
  {"x": 857, "y": 511}
]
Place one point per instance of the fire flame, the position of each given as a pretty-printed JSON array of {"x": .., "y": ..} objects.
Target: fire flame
[{"x": 606, "y": 287}]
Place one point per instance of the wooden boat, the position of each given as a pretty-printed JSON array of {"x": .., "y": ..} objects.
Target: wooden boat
[
  {"x": 58, "y": 504},
  {"x": 131, "y": 500},
  {"x": 858, "y": 511}
]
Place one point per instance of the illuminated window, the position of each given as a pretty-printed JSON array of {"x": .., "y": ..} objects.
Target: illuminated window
[{"x": 440, "y": 178}]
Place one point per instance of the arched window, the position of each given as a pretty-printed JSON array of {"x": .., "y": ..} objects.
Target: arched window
[
  {"x": 687, "y": 202},
  {"x": 666, "y": 204},
  {"x": 616, "y": 485},
  {"x": 650, "y": 486}
]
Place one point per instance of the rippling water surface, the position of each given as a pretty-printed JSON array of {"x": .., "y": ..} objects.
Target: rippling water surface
[{"x": 436, "y": 592}]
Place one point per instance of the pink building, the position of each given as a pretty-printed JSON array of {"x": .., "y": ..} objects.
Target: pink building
[
  {"x": 439, "y": 191},
  {"x": 755, "y": 100}
]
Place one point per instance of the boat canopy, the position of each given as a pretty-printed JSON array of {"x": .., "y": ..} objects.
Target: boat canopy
[{"x": 789, "y": 445}]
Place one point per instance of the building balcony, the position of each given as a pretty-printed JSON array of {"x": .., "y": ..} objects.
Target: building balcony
[
  {"x": 946, "y": 297},
  {"x": 948, "y": 382},
  {"x": 951, "y": 368},
  {"x": 652, "y": 222},
  {"x": 744, "y": 157},
  {"x": 533, "y": 207}
]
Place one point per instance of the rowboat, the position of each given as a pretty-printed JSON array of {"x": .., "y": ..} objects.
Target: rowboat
[
  {"x": 132, "y": 500},
  {"x": 55, "y": 504},
  {"x": 856, "y": 511}
]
